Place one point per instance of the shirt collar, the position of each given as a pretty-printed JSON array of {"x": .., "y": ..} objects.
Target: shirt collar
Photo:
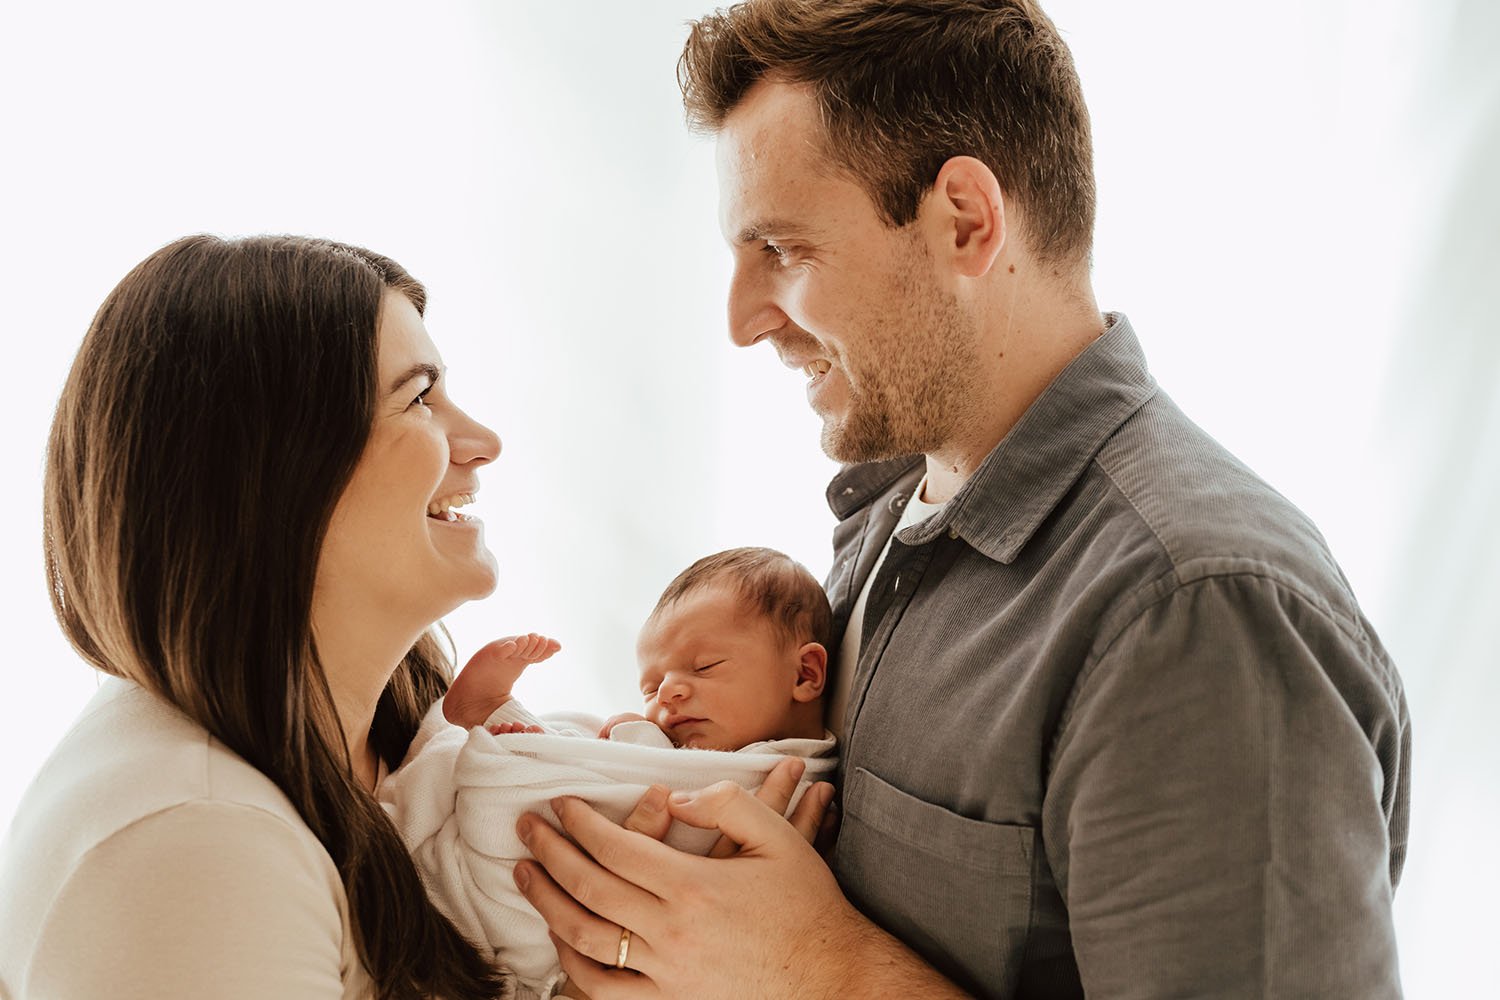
[{"x": 1021, "y": 481}]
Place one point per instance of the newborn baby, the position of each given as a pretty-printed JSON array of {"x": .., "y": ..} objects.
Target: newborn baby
[{"x": 733, "y": 661}]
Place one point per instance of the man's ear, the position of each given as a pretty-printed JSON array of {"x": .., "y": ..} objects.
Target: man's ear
[
  {"x": 966, "y": 216},
  {"x": 812, "y": 672}
]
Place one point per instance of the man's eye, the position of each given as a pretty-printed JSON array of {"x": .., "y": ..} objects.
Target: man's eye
[{"x": 776, "y": 251}]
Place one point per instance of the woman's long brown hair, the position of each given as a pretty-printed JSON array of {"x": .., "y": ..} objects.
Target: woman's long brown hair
[{"x": 215, "y": 412}]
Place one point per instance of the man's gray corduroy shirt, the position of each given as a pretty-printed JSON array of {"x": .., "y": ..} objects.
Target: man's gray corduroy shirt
[{"x": 1118, "y": 725}]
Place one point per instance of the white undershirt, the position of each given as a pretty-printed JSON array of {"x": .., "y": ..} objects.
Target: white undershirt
[{"x": 916, "y": 510}]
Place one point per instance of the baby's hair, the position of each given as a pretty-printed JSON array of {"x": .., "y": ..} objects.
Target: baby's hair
[{"x": 783, "y": 590}]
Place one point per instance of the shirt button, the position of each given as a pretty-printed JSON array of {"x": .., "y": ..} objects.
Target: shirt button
[
  {"x": 952, "y": 532},
  {"x": 897, "y": 504}
]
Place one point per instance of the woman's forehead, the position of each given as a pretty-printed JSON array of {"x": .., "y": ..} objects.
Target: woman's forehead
[{"x": 402, "y": 337}]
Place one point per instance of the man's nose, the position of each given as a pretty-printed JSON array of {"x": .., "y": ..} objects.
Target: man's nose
[{"x": 753, "y": 312}]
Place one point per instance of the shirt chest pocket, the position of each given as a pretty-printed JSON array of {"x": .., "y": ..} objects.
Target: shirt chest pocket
[{"x": 957, "y": 890}]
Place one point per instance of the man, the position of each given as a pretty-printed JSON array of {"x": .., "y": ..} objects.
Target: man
[{"x": 1111, "y": 721}]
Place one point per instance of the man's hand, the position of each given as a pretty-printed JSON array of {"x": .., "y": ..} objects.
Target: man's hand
[
  {"x": 484, "y": 683},
  {"x": 767, "y": 922}
]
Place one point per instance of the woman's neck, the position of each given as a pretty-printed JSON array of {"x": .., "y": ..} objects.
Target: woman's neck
[
  {"x": 362, "y": 755},
  {"x": 358, "y": 661}
]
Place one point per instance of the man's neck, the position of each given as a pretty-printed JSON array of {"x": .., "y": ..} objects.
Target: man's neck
[{"x": 1028, "y": 348}]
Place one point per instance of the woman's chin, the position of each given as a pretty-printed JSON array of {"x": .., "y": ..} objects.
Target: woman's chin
[
  {"x": 489, "y": 579},
  {"x": 469, "y": 567},
  {"x": 478, "y": 578},
  {"x": 455, "y": 584}
]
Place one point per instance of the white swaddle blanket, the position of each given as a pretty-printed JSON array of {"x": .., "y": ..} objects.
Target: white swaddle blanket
[{"x": 457, "y": 798}]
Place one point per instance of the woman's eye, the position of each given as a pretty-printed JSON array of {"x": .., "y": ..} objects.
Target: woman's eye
[{"x": 421, "y": 398}]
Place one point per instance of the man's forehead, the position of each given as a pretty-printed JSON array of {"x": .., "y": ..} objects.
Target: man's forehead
[
  {"x": 769, "y": 153},
  {"x": 778, "y": 203}
]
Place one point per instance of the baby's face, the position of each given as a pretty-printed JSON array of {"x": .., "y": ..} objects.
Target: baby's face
[{"x": 715, "y": 674}]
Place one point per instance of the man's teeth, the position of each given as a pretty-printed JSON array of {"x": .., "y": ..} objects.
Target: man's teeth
[
  {"x": 816, "y": 368},
  {"x": 444, "y": 508}
]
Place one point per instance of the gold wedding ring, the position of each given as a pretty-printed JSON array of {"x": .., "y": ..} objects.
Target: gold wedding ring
[{"x": 624, "y": 952}]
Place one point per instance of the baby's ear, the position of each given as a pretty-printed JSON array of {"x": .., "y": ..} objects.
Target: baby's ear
[{"x": 812, "y": 672}]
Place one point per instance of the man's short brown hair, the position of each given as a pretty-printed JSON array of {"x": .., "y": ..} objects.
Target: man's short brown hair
[
  {"x": 772, "y": 583},
  {"x": 905, "y": 85}
]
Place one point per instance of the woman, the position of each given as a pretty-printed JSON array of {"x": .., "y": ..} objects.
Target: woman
[{"x": 248, "y": 523}]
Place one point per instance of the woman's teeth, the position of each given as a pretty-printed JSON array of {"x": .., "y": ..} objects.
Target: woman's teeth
[{"x": 443, "y": 509}]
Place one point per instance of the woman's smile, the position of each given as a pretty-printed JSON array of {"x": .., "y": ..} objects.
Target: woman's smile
[{"x": 443, "y": 510}]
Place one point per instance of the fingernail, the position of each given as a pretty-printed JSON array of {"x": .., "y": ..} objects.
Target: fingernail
[
  {"x": 656, "y": 798},
  {"x": 557, "y": 805},
  {"x": 523, "y": 877},
  {"x": 523, "y": 830},
  {"x": 683, "y": 798}
]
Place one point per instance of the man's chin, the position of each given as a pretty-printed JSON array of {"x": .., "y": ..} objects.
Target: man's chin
[{"x": 850, "y": 447}]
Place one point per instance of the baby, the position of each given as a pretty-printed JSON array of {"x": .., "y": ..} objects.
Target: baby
[{"x": 733, "y": 661}]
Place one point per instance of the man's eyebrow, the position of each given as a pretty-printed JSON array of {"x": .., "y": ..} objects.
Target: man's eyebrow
[
  {"x": 420, "y": 368},
  {"x": 780, "y": 228}
]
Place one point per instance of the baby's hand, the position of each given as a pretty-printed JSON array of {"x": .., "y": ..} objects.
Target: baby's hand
[
  {"x": 614, "y": 720},
  {"x": 484, "y": 683},
  {"x": 508, "y": 728}
]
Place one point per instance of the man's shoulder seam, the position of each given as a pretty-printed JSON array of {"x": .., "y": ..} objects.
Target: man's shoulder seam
[
  {"x": 1178, "y": 580},
  {"x": 1171, "y": 556}
]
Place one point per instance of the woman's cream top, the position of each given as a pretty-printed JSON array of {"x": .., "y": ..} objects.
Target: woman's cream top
[{"x": 149, "y": 860}]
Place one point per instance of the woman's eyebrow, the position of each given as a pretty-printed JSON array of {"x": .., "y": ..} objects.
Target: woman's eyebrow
[{"x": 421, "y": 368}]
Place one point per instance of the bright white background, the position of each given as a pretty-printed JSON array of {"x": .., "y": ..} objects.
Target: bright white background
[{"x": 1297, "y": 209}]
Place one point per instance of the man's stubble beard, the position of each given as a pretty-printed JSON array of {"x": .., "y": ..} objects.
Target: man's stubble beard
[{"x": 916, "y": 380}]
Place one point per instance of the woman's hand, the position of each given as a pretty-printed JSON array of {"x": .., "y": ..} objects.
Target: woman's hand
[
  {"x": 573, "y": 991},
  {"x": 699, "y": 927}
]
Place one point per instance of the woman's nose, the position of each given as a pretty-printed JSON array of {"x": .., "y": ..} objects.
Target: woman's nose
[{"x": 472, "y": 443}]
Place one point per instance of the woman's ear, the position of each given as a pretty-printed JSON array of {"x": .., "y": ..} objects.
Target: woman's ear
[
  {"x": 812, "y": 672},
  {"x": 966, "y": 213}
]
